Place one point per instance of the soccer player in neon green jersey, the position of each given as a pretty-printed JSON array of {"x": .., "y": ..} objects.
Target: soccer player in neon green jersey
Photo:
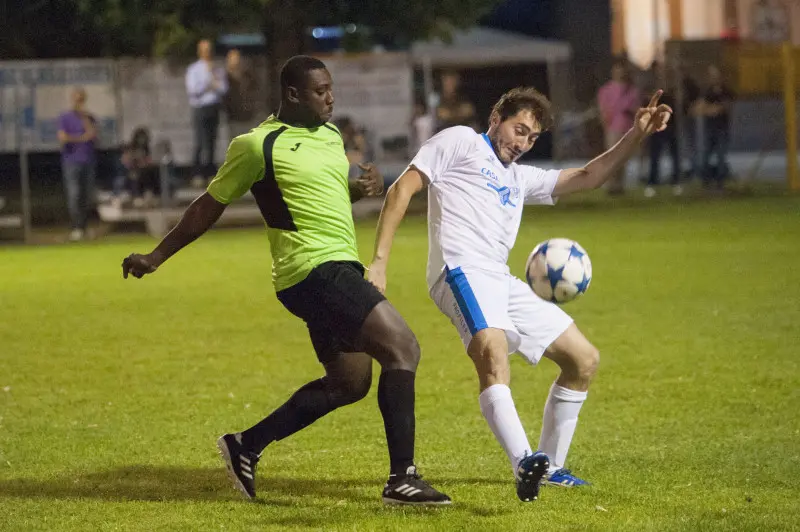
[{"x": 295, "y": 167}]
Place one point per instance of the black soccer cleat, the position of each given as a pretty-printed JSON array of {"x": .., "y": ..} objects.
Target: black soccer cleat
[
  {"x": 240, "y": 462},
  {"x": 530, "y": 472},
  {"x": 410, "y": 489}
]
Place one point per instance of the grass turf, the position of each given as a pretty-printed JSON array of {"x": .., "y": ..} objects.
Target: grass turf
[{"x": 112, "y": 392}]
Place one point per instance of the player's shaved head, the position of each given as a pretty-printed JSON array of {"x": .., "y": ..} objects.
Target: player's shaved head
[
  {"x": 295, "y": 71},
  {"x": 306, "y": 92}
]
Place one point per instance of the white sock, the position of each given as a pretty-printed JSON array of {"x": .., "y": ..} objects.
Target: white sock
[
  {"x": 498, "y": 408},
  {"x": 559, "y": 422}
]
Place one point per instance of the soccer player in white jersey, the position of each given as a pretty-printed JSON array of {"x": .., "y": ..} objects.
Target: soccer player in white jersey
[{"x": 476, "y": 192}]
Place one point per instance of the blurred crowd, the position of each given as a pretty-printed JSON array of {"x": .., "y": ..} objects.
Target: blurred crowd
[
  {"x": 450, "y": 107},
  {"x": 144, "y": 171},
  {"x": 696, "y": 144},
  {"x": 700, "y": 128}
]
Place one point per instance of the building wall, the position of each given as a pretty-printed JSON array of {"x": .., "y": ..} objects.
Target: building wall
[
  {"x": 789, "y": 7},
  {"x": 703, "y": 20},
  {"x": 646, "y": 23},
  {"x": 586, "y": 25},
  {"x": 646, "y": 29}
]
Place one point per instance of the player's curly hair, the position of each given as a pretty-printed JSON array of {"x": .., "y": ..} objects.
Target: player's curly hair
[{"x": 525, "y": 99}]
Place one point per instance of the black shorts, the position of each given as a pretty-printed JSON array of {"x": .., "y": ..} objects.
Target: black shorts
[{"x": 334, "y": 300}]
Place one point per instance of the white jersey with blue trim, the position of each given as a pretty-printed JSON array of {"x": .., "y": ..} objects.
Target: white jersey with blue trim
[{"x": 475, "y": 201}]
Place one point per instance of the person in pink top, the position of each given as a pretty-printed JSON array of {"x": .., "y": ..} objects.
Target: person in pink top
[{"x": 618, "y": 100}]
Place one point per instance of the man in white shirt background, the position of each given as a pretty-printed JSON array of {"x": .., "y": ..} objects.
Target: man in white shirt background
[
  {"x": 476, "y": 193},
  {"x": 206, "y": 84}
]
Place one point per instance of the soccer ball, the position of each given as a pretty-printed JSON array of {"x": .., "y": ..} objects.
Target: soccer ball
[{"x": 558, "y": 270}]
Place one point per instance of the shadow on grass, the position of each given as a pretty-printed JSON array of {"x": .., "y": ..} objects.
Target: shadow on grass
[
  {"x": 154, "y": 483},
  {"x": 176, "y": 484}
]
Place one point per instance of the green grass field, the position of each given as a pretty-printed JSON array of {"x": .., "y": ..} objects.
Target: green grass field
[{"x": 113, "y": 392}]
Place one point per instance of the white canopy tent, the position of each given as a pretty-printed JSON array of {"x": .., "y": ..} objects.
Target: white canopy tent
[
  {"x": 480, "y": 47},
  {"x": 484, "y": 47}
]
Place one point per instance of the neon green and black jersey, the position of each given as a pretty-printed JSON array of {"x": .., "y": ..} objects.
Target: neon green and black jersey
[{"x": 298, "y": 177}]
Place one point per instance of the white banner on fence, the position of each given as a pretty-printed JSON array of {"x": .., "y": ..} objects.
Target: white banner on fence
[
  {"x": 153, "y": 95},
  {"x": 34, "y": 93},
  {"x": 373, "y": 90}
]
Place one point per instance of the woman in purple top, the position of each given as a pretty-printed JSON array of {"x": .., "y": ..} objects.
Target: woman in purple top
[
  {"x": 618, "y": 101},
  {"x": 77, "y": 133}
]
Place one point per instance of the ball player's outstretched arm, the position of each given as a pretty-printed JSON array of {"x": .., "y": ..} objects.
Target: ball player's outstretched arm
[
  {"x": 197, "y": 219},
  {"x": 648, "y": 120},
  {"x": 392, "y": 213},
  {"x": 243, "y": 166}
]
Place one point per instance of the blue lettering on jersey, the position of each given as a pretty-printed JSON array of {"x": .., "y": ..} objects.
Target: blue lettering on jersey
[
  {"x": 505, "y": 194},
  {"x": 488, "y": 173}
]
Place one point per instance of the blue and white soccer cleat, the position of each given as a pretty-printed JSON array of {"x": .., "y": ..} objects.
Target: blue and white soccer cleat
[
  {"x": 529, "y": 474},
  {"x": 564, "y": 478}
]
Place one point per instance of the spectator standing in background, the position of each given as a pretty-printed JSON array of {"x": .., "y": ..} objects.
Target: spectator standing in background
[
  {"x": 241, "y": 96},
  {"x": 138, "y": 172},
  {"x": 206, "y": 85},
  {"x": 422, "y": 126},
  {"x": 356, "y": 147},
  {"x": 454, "y": 108},
  {"x": 661, "y": 139},
  {"x": 715, "y": 108},
  {"x": 690, "y": 131},
  {"x": 618, "y": 100},
  {"x": 77, "y": 132}
]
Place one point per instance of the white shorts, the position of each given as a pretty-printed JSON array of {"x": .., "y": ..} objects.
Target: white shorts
[{"x": 476, "y": 299}]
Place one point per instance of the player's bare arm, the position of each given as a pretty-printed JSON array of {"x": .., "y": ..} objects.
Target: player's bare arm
[
  {"x": 89, "y": 127},
  {"x": 648, "y": 120},
  {"x": 198, "y": 218},
  {"x": 392, "y": 213},
  {"x": 369, "y": 183},
  {"x": 66, "y": 138}
]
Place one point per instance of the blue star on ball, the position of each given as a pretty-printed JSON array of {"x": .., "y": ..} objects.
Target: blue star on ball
[
  {"x": 575, "y": 252},
  {"x": 555, "y": 275},
  {"x": 584, "y": 284}
]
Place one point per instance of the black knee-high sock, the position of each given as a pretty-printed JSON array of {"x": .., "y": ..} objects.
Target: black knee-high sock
[
  {"x": 307, "y": 405},
  {"x": 396, "y": 402}
]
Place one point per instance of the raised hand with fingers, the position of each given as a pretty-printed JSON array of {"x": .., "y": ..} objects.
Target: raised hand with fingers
[
  {"x": 654, "y": 117},
  {"x": 371, "y": 180}
]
